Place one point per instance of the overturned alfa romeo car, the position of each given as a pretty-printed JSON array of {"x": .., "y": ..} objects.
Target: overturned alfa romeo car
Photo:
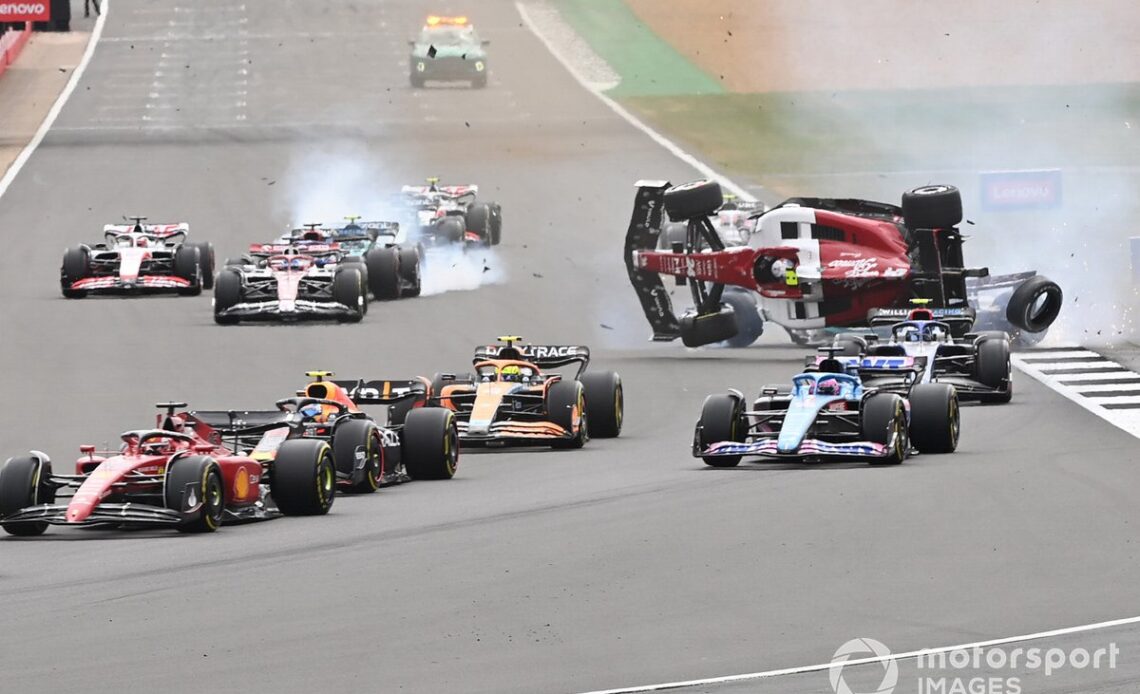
[{"x": 809, "y": 264}]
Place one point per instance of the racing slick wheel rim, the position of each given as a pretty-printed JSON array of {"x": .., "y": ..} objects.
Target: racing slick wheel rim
[
  {"x": 955, "y": 422},
  {"x": 213, "y": 502},
  {"x": 451, "y": 448},
  {"x": 373, "y": 468},
  {"x": 326, "y": 481}
]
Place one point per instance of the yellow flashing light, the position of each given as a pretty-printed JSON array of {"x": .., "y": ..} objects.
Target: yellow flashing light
[{"x": 435, "y": 20}]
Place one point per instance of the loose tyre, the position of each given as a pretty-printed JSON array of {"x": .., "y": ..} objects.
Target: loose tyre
[
  {"x": 410, "y": 272},
  {"x": 993, "y": 369},
  {"x": 227, "y": 294},
  {"x": 76, "y": 266},
  {"x": 430, "y": 445},
  {"x": 605, "y": 403},
  {"x": 479, "y": 221},
  {"x": 721, "y": 420},
  {"x": 303, "y": 480},
  {"x": 932, "y": 207},
  {"x": 24, "y": 483},
  {"x": 205, "y": 262},
  {"x": 194, "y": 486},
  {"x": 348, "y": 290},
  {"x": 451, "y": 228},
  {"x": 357, "y": 453},
  {"x": 186, "y": 266},
  {"x": 884, "y": 422},
  {"x": 384, "y": 273},
  {"x": 1035, "y": 304},
  {"x": 749, "y": 322},
  {"x": 697, "y": 330},
  {"x": 934, "y": 418},
  {"x": 692, "y": 200},
  {"x": 566, "y": 407}
]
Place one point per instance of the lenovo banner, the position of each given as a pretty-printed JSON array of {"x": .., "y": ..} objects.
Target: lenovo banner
[
  {"x": 1021, "y": 190},
  {"x": 35, "y": 11}
]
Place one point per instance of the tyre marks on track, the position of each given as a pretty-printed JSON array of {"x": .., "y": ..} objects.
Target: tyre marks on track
[{"x": 1100, "y": 385}]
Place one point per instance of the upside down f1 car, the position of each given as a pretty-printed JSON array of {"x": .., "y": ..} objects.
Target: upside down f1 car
[{"x": 817, "y": 263}]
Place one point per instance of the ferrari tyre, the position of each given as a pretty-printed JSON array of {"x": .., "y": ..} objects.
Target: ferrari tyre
[
  {"x": 692, "y": 200},
  {"x": 410, "y": 272},
  {"x": 697, "y": 330},
  {"x": 194, "y": 487},
  {"x": 884, "y": 419},
  {"x": 451, "y": 228},
  {"x": 749, "y": 322},
  {"x": 993, "y": 369},
  {"x": 430, "y": 446},
  {"x": 351, "y": 440},
  {"x": 932, "y": 207},
  {"x": 348, "y": 290},
  {"x": 564, "y": 400},
  {"x": 384, "y": 273},
  {"x": 227, "y": 294},
  {"x": 935, "y": 421},
  {"x": 24, "y": 483},
  {"x": 721, "y": 420},
  {"x": 605, "y": 403},
  {"x": 205, "y": 262},
  {"x": 1035, "y": 304},
  {"x": 303, "y": 480}
]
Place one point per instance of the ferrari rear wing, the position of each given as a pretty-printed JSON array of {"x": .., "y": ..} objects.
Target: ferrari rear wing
[
  {"x": 542, "y": 356},
  {"x": 644, "y": 228},
  {"x": 383, "y": 392}
]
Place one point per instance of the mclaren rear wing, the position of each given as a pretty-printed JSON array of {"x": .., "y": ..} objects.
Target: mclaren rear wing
[
  {"x": 383, "y": 392},
  {"x": 644, "y": 228},
  {"x": 542, "y": 356}
]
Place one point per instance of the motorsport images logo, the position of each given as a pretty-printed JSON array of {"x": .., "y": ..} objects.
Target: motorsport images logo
[{"x": 860, "y": 650}]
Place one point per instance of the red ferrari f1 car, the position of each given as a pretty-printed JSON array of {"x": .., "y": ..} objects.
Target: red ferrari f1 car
[{"x": 815, "y": 263}]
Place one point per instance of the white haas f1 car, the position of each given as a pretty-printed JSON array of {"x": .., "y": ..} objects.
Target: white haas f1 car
[
  {"x": 283, "y": 282},
  {"x": 138, "y": 258},
  {"x": 815, "y": 263},
  {"x": 452, "y": 215}
]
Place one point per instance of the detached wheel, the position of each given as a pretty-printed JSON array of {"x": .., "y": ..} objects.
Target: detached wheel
[
  {"x": 303, "y": 480},
  {"x": 357, "y": 454},
  {"x": 24, "y": 483},
  {"x": 410, "y": 272},
  {"x": 383, "y": 273},
  {"x": 932, "y": 207},
  {"x": 76, "y": 266},
  {"x": 934, "y": 418},
  {"x": 691, "y": 200},
  {"x": 227, "y": 294},
  {"x": 698, "y": 330},
  {"x": 1035, "y": 304},
  {"x": 566, "y": 407},
  {"x": 187, "y": 266},
  {"x": 430, "y": 445},
  {"x": 749, "y": 323},
  {"x": 721, "y": 420},
  {"x": 194, "y": 487},
  {"x": 993, "y": 369},
  {"x": 884, "y": 421},
  {"x": 348, "y": 290},
  {"x": 205, "y": 262},
  {"x": 605, "y": 403}
]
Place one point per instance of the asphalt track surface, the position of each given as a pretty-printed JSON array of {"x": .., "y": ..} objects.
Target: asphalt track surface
[{"x": 533, "y": 571}]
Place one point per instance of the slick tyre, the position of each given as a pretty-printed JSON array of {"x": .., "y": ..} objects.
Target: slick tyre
[
  {"x": 721, "y": 420},
  {"x": 194, "y": 487},
  {"x": 605, "y": 403},
  {"x": 410, "y": 272},
  {"x": 697, "y": 330},
  {"x": 76, "y": 266},
  {"x": 691, "y": 200},
  {"x": 993, "y": 369},
  {"x": 187, "y": 266},
  {"x": 358, "y": 455},
  {"x": 227, "y": 294},
  {"x": 384, "y": 273},
  {"x": 303, "y": 480},
  {"x": 451, "y": 228},
  {"x": 935, "y": 421},
  {"x": 430, "y": 445},
  {"x": 24, "y": 483},
  {"x": 1035, "y": 304},
  {"x": 749, "y": 322},
  {"x": 932, "y": 207},
  {"x": 884, "y": 421},
  {"x": 479, "y": 221},
  {"x": 205, "y": 262},
  {"x": 566, "y": 407},
  {"x": 348, "y": 290}
]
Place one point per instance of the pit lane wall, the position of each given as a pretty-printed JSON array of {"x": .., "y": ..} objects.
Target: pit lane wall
[{"x": 11, "y": 43}]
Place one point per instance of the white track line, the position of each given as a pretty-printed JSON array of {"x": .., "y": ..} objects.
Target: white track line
[
  {"x": 703, "y": 168},
  {"x": 1125, "y": 419},
  {"x": 57, "y": 107},
  {"x": 909, "y": 655}
]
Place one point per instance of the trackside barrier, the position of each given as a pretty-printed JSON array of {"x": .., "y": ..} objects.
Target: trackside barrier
[{"x": 11, "y": 43}]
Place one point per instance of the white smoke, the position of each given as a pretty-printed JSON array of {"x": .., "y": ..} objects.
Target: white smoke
[{"x": 455, "y": 269}]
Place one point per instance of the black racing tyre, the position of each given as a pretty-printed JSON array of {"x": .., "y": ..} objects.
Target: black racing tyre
[
  {"x": 990, "y": 335},
  {"x": 697, "y": 330},
  {"x": 721, "y": 420},
  {"x": 993, "y": 369},
  {"x": 935, "y": 421},
  {"x": 692, "y": 200},
  {"x": 564, "y": 400},
  {"x": 384, "y": 272},
  {"x": 76, "y": 266},
  {"x": 353, "y": 437},
  {"x": 194, "y": 486},
  {"x": 348, "y": 290},
  {"x": 205, "y": 262},
  {"x": 749, "y": 322},
  {"x": 479, "y": 220},
  {"x": 496, "y": 228},
  {"x": 186, "y": 266},
  {"x": 932, "y": 207},
  {"x": 430, "y": 444},
  {"x": 410, "y": 272},
  {"x": 884, "y": 415},
  {"x": 451, "y": 228},
  {"x": 24, "y": 483},
  {"x": 303, "y": 480},
  {"x": 227, "y": 294},
  {"x": 605, "y": 403},
  {"x": 1035, "y": 304}
]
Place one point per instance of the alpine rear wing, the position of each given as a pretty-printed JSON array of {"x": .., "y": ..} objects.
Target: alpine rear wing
[
  {"x": 644, "y": 228},
  {"x": 542, "y": 356},
  {"x": 383, "y": 392}
]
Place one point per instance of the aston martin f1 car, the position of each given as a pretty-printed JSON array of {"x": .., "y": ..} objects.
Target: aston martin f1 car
[
  {"x": 138, "y": 258},
  {"x": 923, "y": 349},
  {"x": 828, "y": 415},
  {"x": 285, "y": 282},
  {"x": 442, "y": 215},
  {"x": 365, "y": 455},
  {"x": 816, "y": 263},
  {"x": 448, "y": 50},
  {"x": 510, "y": 400},
  {"x": 178, "y": 475}
]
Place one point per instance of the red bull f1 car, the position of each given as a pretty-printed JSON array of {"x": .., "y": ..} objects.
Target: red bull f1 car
[{"x": 815, "y": 263}]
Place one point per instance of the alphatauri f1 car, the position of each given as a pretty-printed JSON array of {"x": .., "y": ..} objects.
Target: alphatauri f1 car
[
  {"x": 442, "y": 215},
  {"x": 816, "y": 263}
]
